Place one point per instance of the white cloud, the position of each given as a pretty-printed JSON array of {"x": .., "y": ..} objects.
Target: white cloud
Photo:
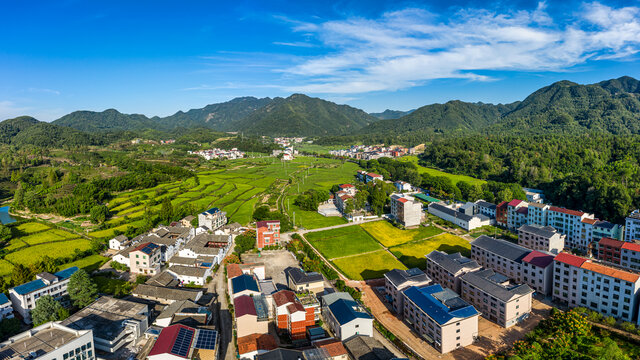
[
  {"x": 409, "y": 47},
  {"x": 44, "y": 90}
]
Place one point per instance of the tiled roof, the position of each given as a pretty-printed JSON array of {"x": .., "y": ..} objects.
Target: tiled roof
[
  {"x": 345, "y": 311},
  {"x": 589, "y": 221},
  {"x": 609, "y": 271},
  {"x": 566, "y": 211},
  {"x": 332, "y": 346},
  {"x": 503, "y": 248},
  {"x": 374, "y": 175},
  {"x": 280, "y": 354},
  {"x": 3, "y": 299},
  {"x": 233, "y": 270},
  {"x": 147, "y": 248},
  {"x": 486, "y": 204},
  {"x": 539, "y": 259},
  {"x": 569, "y": 259},
  {"x": 442, "y": 305},
  {"x": 346, "y": 186},
  {"x": 451, "y": 212},
  {"x": 514, "y": 202},
  {"x": 284, "y": 297},
  {"x": 398, "y": 277},
  {"x": 491, "y": 283},
  {"x": 633, "y": 246},
  {"x": 607, "y": 241},
  {"x": 255, "y": 342},
  {"x": 167, "y": 338},
  {"x": 244, "y": 305},
  {"x": 453, "y": 263},
  {"x": 244, "y": 282},
  {"x": 265, "y": 223},
  {"x": 301, "y": 277},
  {"x": 523, "y": 210},
  {"x": 544, "y": 231},
  {"x": 295, "y": 307}
]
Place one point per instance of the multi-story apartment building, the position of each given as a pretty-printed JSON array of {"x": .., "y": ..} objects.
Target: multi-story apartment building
[
  {"x": 516, "y": 213},
  {"x": 609, "y": 250},
  {"x": 50, "y": 341},
  {"x": 267, "y": 233},
  {"x": 459, "y": 218},
  {"x": 502, "y": 213},
  {"x": 537, "y": 214},
  {"x": 441, "y": 317},
  {"x": 496, "y": 297},
  {"x": 6, "y": 309},
  {"x": 23, "y": 297},
  {"x": 291, "y": 316},
  {"x": 500, "y": 256},
  {"x": 537, "y": 271},
  {"x": 607, "y": 290},
  {"x": 541, "y": 238},
  {"x": 630, "y": 257},
  {"x": 212, "y": 219},
  {"x": 446, "y": 269},
  {"x": 396, "y": 281},
  {"x": 406, "y": 209},
  {"x": 485, "y": 208},
  {"x": 145, "y": 259},
  {"x": 632, "y": 226},
  {"x": 569, "y": 222}
]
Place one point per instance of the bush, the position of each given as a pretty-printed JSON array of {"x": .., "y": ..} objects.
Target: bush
[{"x": 141, "y": 279}]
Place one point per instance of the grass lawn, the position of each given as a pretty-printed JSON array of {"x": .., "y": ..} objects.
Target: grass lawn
[
  {"x": 312, "y": 219},
  {"x": 412, "y": 254},
  {"x": 368, "y": 266},
  {"x": 57, "y": 249},
  {"x": 344, "y": 241},
  {"x": 89, "y": 264},
  {"x": 389, "y": 235},
  {"x": 434, "y": 172},
  {"x": 32, "y": 227}
]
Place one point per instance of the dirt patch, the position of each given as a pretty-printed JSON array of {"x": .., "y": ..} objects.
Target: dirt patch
[{"x": 275, "y": 261}]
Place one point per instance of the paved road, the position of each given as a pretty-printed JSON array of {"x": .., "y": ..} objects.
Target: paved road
[{"x": 223, "y": 320}]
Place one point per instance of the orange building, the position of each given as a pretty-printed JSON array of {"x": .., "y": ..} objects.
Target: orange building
[
  {"x": 267, "y": 233},
  {"x": 291, "y": 316}
]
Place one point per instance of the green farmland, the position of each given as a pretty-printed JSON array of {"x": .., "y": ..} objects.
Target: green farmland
[
  {"x": 344, "y": 241},
  {"x": 434, "y": 172}
]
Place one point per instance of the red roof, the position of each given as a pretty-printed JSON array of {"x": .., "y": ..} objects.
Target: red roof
[
  {"x": 523, "y": 210},
  {"x": 167, "y": 338},
  {"x": 607, "y": 241},
  {"x": 566, "y": 211},
  {"x": 295, "y": 307},
  {"x": 514, "y": 202},
  {"x": 403, "y": 200},
  {"x": 233, "y": 270},
  {"x": 589, "y": 221},
  {"x": 502, "y": 204},
  {"x": 243, "y": 305},
  {"x": 284, "y": 297},
  {"x": 539, "y": 259},
  {"x": 266, "y": 222},
  {"x": 332, "y": 346},
  {"x": 633, "y": 246},
  {"x": 572, "y": 260},
  {"x": 609, "y": 271},
  {"x": 255, "y": 342},
  {"x": 374, "y": 175},
  {"x": 346, "y": 186}
]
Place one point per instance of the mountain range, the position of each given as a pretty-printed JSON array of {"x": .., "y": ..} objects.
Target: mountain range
[{"x": 611, "y": 106}]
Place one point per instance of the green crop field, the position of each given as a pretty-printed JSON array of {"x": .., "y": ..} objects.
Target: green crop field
[
  {"x": 434, "y": 172},
  {"x": 412, "y": 254},
  {"x": 368, "y": 266},
  {"x": 344, "y": 241},
  {"x": 32, "y": 227},
  {"x": 89, "y": 264},
  {"x": 55, "y": 250},
  {"x": 5, "y": 268},
  {"x": 389, "y": 235}
]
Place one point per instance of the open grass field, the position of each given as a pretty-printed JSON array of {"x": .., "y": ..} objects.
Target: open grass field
[
  {"x": 344, "y": 241},
  {"x": 434, "y": 172},
  {"x": 89, "y": 264},
  {"x": 412, "y": 254},
  {"x": 389, "y": 235},
  {"x": 368, "y": 266},
  {"x": 5, "y": 268},
  {"x": 31, "y": 227}
]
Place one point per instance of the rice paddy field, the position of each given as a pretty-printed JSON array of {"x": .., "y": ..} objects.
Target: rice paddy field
[
  {"x": 412, "y": 254},
  {"x": 368, "y": 266},
  {"x": 389, "y": 235},
  {"x": 34, "y": 240},
  {"x": 237, "y": 190},
  {"x": 344, "y": 241}
]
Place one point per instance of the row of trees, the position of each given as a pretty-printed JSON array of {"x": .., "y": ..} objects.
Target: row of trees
[{"x": 82, "y": 292}]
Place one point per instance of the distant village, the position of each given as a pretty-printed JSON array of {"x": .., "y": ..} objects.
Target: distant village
[
  {"x": 216, "y": 153},
  {"x": 371, "y": 152}
]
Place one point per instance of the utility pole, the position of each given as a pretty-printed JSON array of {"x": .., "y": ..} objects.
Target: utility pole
[{"x": 294, "y": 219}]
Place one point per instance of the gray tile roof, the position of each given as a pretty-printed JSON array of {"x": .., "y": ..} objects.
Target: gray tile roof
[
  {"x": 449, "y": 211},
  {"x": 398, "y": 277},
  {"x": 453, "y": 263},
  {"x": 486, "y": 204},
  {"x": 367, "y": 348},
  {"x": 538, "y": 230},
  {"x": 163, "y": 279},
  {"x": 503, "y": 248},
  {"x": 187, "y": 271},
  {"x": 300, "y": 277},
  {"x": 496, "y": 285},
  {"x": 158, "y": 292}
]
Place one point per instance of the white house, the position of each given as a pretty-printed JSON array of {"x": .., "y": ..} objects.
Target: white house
[
  {"x": 402, "y": 186},
  {"x": 212, "y": 218},
  {"x": 345, "y": 317},
  {"x": 119, "y": 242},
  {"x": 190, "y": 274}
]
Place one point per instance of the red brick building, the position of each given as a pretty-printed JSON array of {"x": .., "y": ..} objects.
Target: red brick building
[
  {"x": 267, "y": 233},
  {"x": 609, "y": 250},
  {"x": 291, "y": 316},
  {"x": 502, "y": 213}
]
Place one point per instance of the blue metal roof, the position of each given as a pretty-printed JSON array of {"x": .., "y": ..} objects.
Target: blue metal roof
[
  {"x": 3, "y": 299},
  {"x": 66, "y": 273},
  {"x": 440, "y": 304},
  {"x": 346, "y": 311},
  {"x": 212, "y": 210},
  {"x": 29, "y": 287},
  {"x": 244, "y": 282}
]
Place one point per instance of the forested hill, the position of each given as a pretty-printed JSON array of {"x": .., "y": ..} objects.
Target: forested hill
[
  {"x": 391, "y": 114},
  {"x": 452, "y": 116},
  {"x": 110, "y": 119},
  {"x": 26, "y": 130},
  {"x": 302, "y": 115}
]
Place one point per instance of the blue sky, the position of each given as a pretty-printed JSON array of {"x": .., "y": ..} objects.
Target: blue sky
[{"x": 158, "y": 57}]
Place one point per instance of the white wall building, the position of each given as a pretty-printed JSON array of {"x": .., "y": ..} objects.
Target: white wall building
[
  {"x": 467, "y": 222},
  {"x": 500, "y": 256},
  {"x": 50, "y": 341},
  {"x": 406, "y": 210},
  {"x": 345, "y": 317},
  {"x": 541, "y": 238},
  {"x": 212, "y": 219}
]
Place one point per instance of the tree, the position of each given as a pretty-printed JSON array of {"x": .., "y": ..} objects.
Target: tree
[
  {"x": 20, "y": 274},
  {"x": 9, "y": 327},
  {"x": 47, "y": 309},
  {"x": 82, "y": 290},
  {"x": 98, "y": 214},
  {"x": 5, "y": 233},
  {"x": 245, "y": 242},
  {"x": 166, "y": 211}
]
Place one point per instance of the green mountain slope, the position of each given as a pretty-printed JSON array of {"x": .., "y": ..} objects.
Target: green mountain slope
[
  {"x": 452, "y": 116},
  {"x": 391, "y": 114},
  {"x": 222, "y": 116},
  {"x": 111, "y": 119},
  {"x": 26, "y": 130},
  {"x": 302, "y": 115}
]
